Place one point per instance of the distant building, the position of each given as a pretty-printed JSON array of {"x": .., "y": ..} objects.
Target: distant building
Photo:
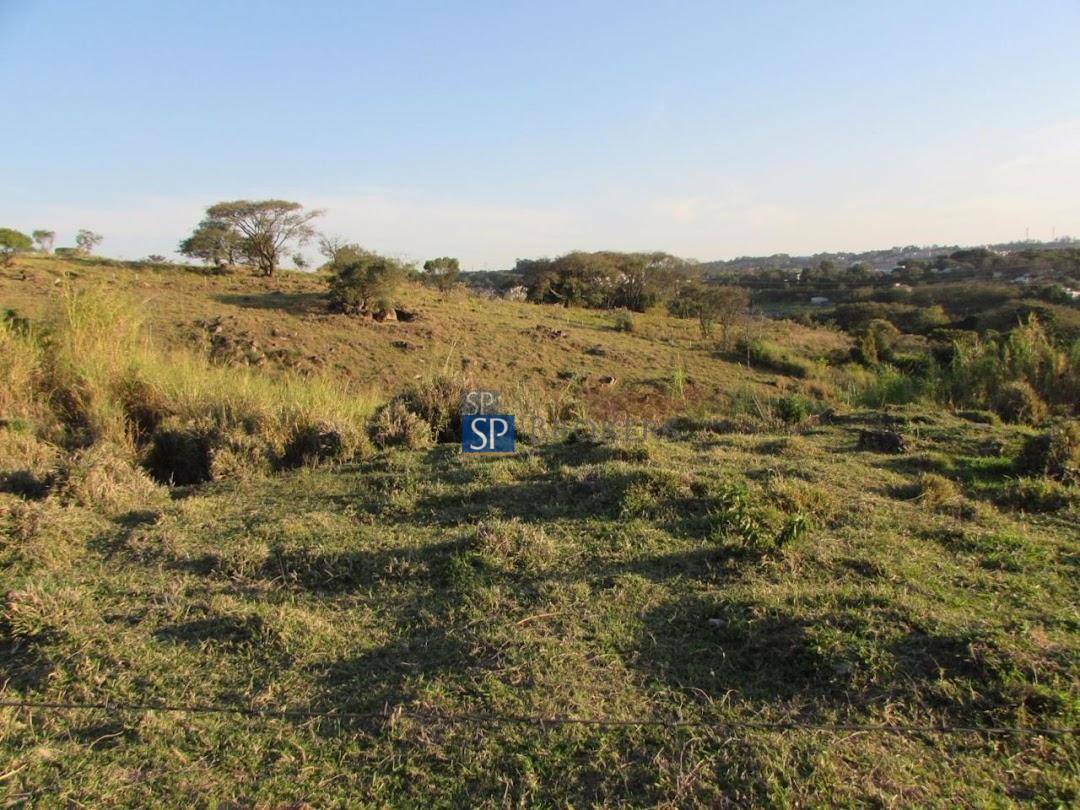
[{"x": 819, "y": 300}]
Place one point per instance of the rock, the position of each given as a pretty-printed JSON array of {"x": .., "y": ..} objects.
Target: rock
[
  {"x": 386, "y": 315},
  {"x": 596, "y": 351}
]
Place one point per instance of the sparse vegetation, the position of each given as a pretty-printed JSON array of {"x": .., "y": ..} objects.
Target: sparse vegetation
[{"x": 327, "y": 549}]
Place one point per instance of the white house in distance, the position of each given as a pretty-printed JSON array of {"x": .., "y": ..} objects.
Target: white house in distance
[{"x": 819, "y": 300}]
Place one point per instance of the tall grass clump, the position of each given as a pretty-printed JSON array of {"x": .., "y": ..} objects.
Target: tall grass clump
[
  {"x": 1013, "y": 374},
  {"x": 93, "y": 371},
  {"x": 1019, "y": 376},
  {"x": 765, "y": 354},
  {"x": 20, "y": 367},
  {"x": 89, "y": 342},
  {"x": 887, "y": 385}
]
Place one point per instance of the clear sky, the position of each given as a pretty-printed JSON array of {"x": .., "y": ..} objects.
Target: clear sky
[{"x": 493, "y": 130}]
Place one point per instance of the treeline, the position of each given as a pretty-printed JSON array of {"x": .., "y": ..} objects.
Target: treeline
[
  {"x": 1044, "y": 274},
  {"x": 605, "y": 279}
]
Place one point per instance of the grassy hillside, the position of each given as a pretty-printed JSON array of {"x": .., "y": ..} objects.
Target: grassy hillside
[
  {"x": 503, "y": 344},
  {"x": 747, "y": 565}
]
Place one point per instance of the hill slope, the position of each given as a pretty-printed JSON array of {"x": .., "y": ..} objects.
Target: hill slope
[
  {"x": 730, "y": 595},
  {"x": 503, "y": 344}
]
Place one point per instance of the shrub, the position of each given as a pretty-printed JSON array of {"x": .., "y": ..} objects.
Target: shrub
[
  {"x": 180, "y": 456},
  {"x": 442, "y": 272},
  {"x": 736, "y": 516},
  {"x": 1054, "y": 453},
  {"x": 104, "y": 478},
  {"x": 875, "y": 342},
  {"x": 394, "y": 424},
  {"x": 313, "y": 444},
  {"x": 436, "y": 401},
  {"x": 1018, "y": 401},
  {"x": 362, "y": 281},
  {"x": 791, "y": 409},
  {"x": 622, "y": 321}
]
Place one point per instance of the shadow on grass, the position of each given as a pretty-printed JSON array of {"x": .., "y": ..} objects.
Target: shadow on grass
[
  {"x": 295, "y": 303},
  {"x": 716, "y": 648},
  {"x": 24, "y": 664}
]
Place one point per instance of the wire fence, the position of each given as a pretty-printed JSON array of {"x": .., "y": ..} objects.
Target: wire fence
[{"x": 493, "y": 719}]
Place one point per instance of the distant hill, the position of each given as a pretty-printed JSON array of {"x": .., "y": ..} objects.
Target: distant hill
[{"x": 882, "y": 260}]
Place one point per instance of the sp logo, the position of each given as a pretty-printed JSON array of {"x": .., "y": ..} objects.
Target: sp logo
[{"x": 487, "y": 433}]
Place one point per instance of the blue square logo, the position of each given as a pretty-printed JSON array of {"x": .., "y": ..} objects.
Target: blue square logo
[{"x": 487, "y": 433}]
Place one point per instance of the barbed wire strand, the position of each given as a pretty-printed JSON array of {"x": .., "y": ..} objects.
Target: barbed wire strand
[{"x": 492, "y": 719}]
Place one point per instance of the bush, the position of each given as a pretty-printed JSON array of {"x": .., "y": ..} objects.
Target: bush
[
  {"x": 1053, "y": 454},
  {"x": 395, "y": 425},
  {"x": 792, "y": 409},
  {"x": 622, "y": 321},
  {"x": 435, "y": 401},
  {"x": 1018, "y": 402},
  {"x": 180, "y": 456},
  {"x": 104, "y": 478},
  {"x": 875, "y": 342},
  {"x": 362, "y": 281},
  {"x": 311, "y": 445}
]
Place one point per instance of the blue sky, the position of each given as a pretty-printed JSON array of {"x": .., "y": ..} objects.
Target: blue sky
[{"x": 497, "y": 130}]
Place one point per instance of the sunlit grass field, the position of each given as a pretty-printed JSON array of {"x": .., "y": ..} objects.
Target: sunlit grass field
[{"x": 753, "y": 587}]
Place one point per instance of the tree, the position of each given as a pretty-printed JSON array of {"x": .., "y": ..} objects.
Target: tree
[
  {"x": 44, "y": 240},
  {"x": 214, "y": 242},
  {"x": 644, "y": 278},
  {"x": 604, "y": 279},
  {"x": 330, "y": 245},
  {"x": 11, "y": 243},
  {"x": 726, "y": 305},
  {"x": 443, "y": 272},
  {"x": 711, "y": 304},
  {"x": 299, "y": 260},
  {"x": 265, "y": 227},
  {"x": 362, "y": 281},
  {"x": 87, "y": 241}
]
